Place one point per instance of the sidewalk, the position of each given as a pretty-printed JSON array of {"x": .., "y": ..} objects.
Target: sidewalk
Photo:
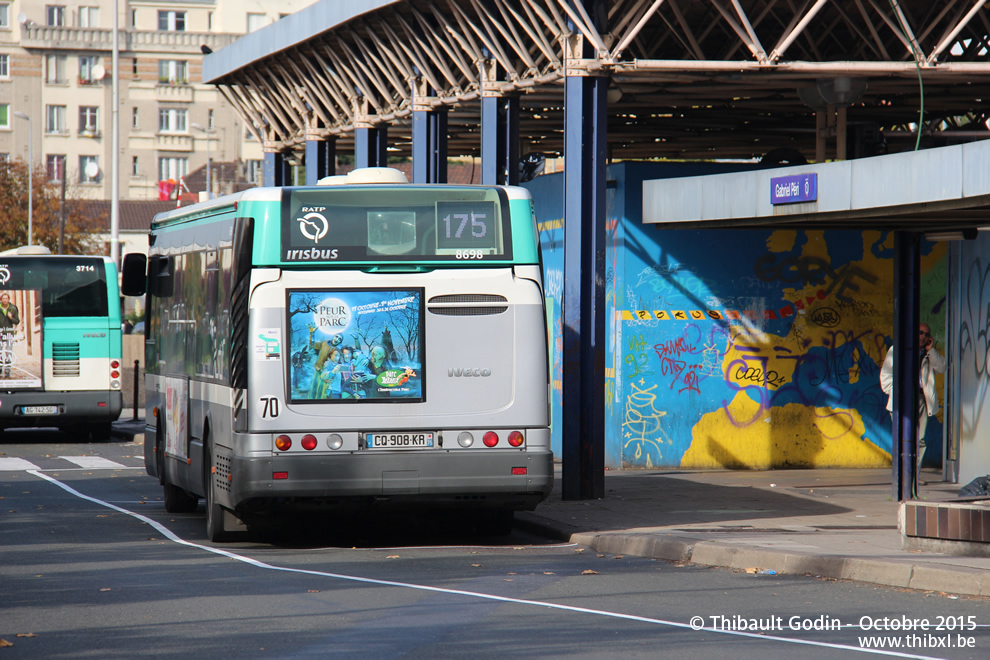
[
  {"x": 834, "y": 523},
  {"x": 831, "y": 523}
]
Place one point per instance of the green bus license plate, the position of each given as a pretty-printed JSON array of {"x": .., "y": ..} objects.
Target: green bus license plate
[{"x": 399, "y": 440}]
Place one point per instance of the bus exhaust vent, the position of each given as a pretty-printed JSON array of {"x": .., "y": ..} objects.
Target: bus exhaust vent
[
  {"x": 65, "y": 360},
  {"x": 467, "y": 304}
]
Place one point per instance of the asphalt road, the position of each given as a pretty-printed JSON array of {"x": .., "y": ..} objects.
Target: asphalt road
[{"x": 91, "y": 566}]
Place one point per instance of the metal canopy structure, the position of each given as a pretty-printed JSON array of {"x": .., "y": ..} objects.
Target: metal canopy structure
[{"x": 698, "y": 79}]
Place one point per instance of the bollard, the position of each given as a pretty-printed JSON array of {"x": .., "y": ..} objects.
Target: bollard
[{"x": 137, "y": 369}]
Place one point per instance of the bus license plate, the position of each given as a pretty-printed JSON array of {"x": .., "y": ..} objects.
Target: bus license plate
[
  {"x": 39, "y": 410},
  {"x": 399, "y": 440}
]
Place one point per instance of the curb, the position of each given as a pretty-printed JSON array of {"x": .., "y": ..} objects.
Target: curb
[{"x": 891, "y": 573}]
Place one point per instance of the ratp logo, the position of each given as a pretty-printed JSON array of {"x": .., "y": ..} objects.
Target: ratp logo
[
  {"x": 4, "y": 275},
  {"x": 313, "y": 225}
]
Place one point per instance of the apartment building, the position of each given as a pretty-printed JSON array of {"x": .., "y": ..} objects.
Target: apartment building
[{"x": 56, "y": 68}]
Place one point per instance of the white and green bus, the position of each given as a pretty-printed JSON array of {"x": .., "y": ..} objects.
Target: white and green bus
[
  {"x": 60, "y": 342},
  {"x": 358, "y": 345}
]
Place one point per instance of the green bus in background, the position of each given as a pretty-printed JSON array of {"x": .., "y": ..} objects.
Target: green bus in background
[
  {"x": 364, "y": 344},
  {"x": 60, "y": 342}
]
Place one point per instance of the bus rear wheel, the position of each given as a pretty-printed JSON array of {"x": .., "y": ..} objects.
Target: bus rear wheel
[
  {"x": 100, "y": 431},
  {"x": 177, "y": 500},
  {"x": 217, "y": 517}
]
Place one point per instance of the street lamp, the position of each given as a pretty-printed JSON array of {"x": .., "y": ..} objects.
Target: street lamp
[
  {"x": 18, "y": 113},
  {"x": 209, "y": 182}
]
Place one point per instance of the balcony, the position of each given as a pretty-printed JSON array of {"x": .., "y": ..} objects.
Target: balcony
[
  {"x": 167, "y": 142},
  {"x": 173, "y": 93},
  {"x": 51, "y": 37}
]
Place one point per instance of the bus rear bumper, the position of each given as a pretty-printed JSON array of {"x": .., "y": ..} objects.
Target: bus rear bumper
[
  {"x": 410, "y": 479},
  {"x": 25, "y": 409}
]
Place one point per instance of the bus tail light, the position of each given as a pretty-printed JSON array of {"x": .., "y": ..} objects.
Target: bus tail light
[
  {"x": 516, "y": 439},
  {"x": 114, "y": 374},
  {"x": 283, "y": 442},
  {"x": 519, "y": 470},
  {"x": 465, "y": 439},
  {"x": 490, "y": 439},
  {"x": 114, "y": 364},
  {"x": 280, "y": 475},
  {"x": 308, "y": 442},
  {"x": 334, "y": 441}
]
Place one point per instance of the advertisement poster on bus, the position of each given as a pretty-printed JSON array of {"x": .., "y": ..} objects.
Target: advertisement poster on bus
[
  {"x": 176, "y": 416},
  {"x": 356, "y": 345},
  {"x": 20, "y": 338}
]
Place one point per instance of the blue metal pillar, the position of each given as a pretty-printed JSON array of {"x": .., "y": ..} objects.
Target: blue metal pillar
[
  {"x": 500, "y": 140},
  {"x": 320, "y": 157},
  {"x": 429, "y": 146},
  {"x": 583, "y": 308},
  {"x": 369, "y": 146},
  {"x": 276, "y": 169},
  {"x": 907, "y": 365}
]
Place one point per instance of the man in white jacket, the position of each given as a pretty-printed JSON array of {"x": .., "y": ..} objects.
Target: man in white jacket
[{"x": 932, "y": 363}]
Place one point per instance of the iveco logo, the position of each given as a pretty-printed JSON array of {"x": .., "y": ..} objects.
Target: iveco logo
[
  {"x": 469, "y": 373},
  {"x": 94, "y": 334}
]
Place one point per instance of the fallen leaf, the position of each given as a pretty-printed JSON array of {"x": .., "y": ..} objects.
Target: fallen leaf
[
  {"x": 4, "y": 642},
  {"x": 26, "y": 635},
  {"x": 314, "y": 591},
  {"x": 618, "y": 557},
  {"x": 752, "y": 570},
  {"x": 511, "y": 573},
  {"x": 589, "y": 572},
  {"x": 600, "y": 556},
  {"x": 393, "y": 557},
  {"x": 476, "y": 565},
  {"x": 549, "y": 573},
  {"x": 105, "y": 589}
]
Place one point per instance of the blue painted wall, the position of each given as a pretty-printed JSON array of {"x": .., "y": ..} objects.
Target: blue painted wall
[{"x": 737, "y": 348}]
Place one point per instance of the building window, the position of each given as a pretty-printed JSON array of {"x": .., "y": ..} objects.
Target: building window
[
  {"x": 55, "y": 70},
  {"x": 89, "y": 169},
  {"x": 134, "y": 18},
  {"x": 172, "y": 120},
  {"x": 4, "y": 115},
  {"x": 4, "y": 157},
  {"x": 172, "y": 168},
  {"x": 173, "y": 21},
  {"x": 209, "y": 21},
  {"x": 255, "y": 22},
  {"x": 4, "y": 15},
  {"x": 173, "y": 72},
  {"x": 89, "y": 17},
  {"x": 134, "y": 67},
  {"x": 55, "y": 166},
  {"x": 210, "y": 119},
  {"x": 253, "y": 168},
  {"x": 55, "y": 15},
  {"x": 134, "y": 118},
  {"x": 89, "y": 119},
  {"x": 87, "y": 65},
  {"x": 135, "y": 171},
  {"x": 4, "y": 66},
  {"x": 55, "y": 119}
]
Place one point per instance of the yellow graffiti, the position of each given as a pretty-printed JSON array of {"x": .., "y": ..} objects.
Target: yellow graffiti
[
  {"x": 641, "y": 426},
  {"x": 789, "y": 436}
]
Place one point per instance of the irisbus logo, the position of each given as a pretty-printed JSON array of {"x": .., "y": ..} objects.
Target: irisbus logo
[{"x": 469, "y": 373}]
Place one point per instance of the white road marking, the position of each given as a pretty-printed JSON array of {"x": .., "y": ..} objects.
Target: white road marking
[
  {"x": 167, "y": 533},
  {"x": 10, "y": 464},
  {"x": 95, "y": 462}
]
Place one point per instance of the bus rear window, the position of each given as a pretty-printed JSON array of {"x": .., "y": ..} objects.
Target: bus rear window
[
  {"x": 69, "y": 287},
  {"x": 374, "y": 224}
]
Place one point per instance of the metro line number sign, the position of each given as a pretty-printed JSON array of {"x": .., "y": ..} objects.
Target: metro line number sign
[{"x": 793, "y": 189}]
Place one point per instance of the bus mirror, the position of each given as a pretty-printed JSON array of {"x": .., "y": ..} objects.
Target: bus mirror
[
  {"x": 160, "y": 277},
  {"x": 134, "y": 280}
]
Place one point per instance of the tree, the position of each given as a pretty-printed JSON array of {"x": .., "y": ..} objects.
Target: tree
[{"x": 81, "y": 231}]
